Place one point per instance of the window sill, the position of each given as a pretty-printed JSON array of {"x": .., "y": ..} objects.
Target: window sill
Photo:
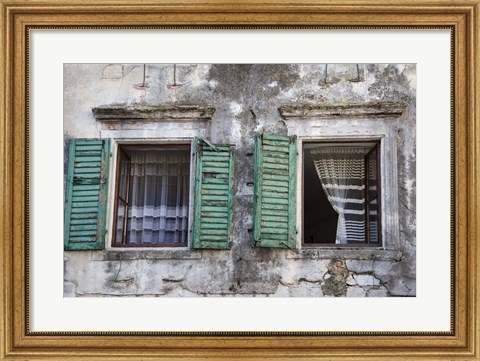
[
  {"x": 147, "y": 253},
  {"x": 352, "y": 253}
]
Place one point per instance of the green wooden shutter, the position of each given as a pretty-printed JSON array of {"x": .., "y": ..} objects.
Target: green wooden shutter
[
  {"x": 213, "y": 196},
  {"x": 86, "y": 194},
  {"x": 274, "y": 191}
]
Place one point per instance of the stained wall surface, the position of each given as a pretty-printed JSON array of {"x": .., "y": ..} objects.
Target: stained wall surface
[{"x": 244, "y": 100}]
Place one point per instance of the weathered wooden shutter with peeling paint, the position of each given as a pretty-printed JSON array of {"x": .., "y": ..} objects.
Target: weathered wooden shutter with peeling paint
[
  {"x": 86, "y": 194},
  {"x": 274, "y": 191},
  {"x": 213, "y": 196}
]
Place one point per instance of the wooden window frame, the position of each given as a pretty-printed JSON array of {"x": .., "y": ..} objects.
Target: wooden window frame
[
  {"x": 120, "y": 150},
  {"x": 376, "y": 147}
]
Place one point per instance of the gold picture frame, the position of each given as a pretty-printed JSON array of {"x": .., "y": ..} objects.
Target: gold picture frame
[{"x": 18, "y": 17}]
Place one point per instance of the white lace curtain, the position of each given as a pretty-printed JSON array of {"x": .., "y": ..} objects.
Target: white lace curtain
[
  {"x": 158, "y": 206},
  {"x": 341, "y": 173}
]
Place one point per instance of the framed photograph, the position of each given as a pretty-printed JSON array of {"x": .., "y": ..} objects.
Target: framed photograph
[{"x": 274, "y": 180}]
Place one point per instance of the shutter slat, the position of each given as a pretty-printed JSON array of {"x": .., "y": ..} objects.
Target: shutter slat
[
  {"x": 275, "y": 172},
  {"x": 276, "y": 177},
  {"x": 206, "y": 238},
  {"x": 274, "y": 212},
  {"x": 276, "y": 155},
  {"x": 84, "y": 210},
  {"x": 215, "y": 182},
  {"x": 216, "y": 192},
  {"x": 88, "y": 165},
  {"x": 283, "y": 143},
  {"x": 275, "y": 160},
  {"x": 210, "y": 186},
  {"x": 86, "y": 187},
  {"x": 84, "y": 227},
  {"x": 216, "y": 232},
  {"x": 88, "y": 153},
  {"x": 281, "y": 207},
  {"x": 277, "y": 201},
  {"x": 76, "y": 221},
  {"x": 215, "y": 169},
  {"x": 88, "y": 233},
  {"x": 215, "y": 209},
  {"x": 209, "y": 214},
  {"x": 267, "y": 218},
  {"x": 81, "y": 242},
  {"x": 276, "y": 165},
  {"x": 216, "y": 220},
  {"x": 94, "y": 170},
  {"x": 268, "y": 230},
  {"x": 269, "y": 136},
  {"x": 269, "y": 194},
  {"x": 216, "y": 158},
  {"x": 79, "y": 216},
  {"x": 274, "y": 191},
  {"x": 275, "y": 183},
  {"x": 268, "y": 188},
  {"x": 274, "y": 225},
  {"x": 86, "y": 194},
  {"x": 213, "y": 196},
  {"x": 280, "y": 237},
  {"x": 89, "y": 148},
  {"x": 276, "y": 149},
  {"x": 85, "y": 198},
  {"x": 85, "y": 204},
  {"x": 88, "y": 159},
  {"x": 213, "y": 245},
  {"x": 223, "y": 165}
]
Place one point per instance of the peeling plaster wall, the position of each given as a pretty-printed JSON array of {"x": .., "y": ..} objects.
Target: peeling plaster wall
[{"x": 246, "y": 99}]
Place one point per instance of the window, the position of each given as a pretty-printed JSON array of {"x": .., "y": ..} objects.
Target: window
[
  {"x": 152, "y": 196},
  {"x": 341, "y": 200}
]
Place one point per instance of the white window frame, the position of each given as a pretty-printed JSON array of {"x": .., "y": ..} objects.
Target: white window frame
[
  {"x": 116, "y": 144},
  {"x": 354, "y": 130}
]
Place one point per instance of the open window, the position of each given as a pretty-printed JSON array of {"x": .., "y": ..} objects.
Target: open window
[
  {"x": 152, "y": 196},
  {"x": 341, "y": 194}
]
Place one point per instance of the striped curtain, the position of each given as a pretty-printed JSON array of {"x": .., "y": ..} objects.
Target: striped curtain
[
  {"x": 158, "y": 212},
  {"x": 341, "y": 173}
]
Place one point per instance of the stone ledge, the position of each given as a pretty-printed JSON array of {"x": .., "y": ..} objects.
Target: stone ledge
[
  {"x": 323, "y": 111},
  {"x": 349, "y": 254},
  {"x": 148, "y": 254},
  {"x": 164, "y": 112}
]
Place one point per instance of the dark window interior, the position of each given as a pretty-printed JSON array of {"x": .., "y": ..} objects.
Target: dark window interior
[
  {"x": 319, "y": 216},
  {"x": 320, "y": 219}
]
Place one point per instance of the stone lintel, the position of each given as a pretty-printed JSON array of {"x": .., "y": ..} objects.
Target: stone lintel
[
  {"x": 164, "y": 112},
  {"x": 357, "y": 110}
]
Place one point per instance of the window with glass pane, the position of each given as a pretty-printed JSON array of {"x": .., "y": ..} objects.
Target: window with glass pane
[
  {"x": 152, "y": 196},
  {"x": 341, "y": 200}
]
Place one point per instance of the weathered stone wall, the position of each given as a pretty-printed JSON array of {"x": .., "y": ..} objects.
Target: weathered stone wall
[{"x": 246, "y": 99}]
